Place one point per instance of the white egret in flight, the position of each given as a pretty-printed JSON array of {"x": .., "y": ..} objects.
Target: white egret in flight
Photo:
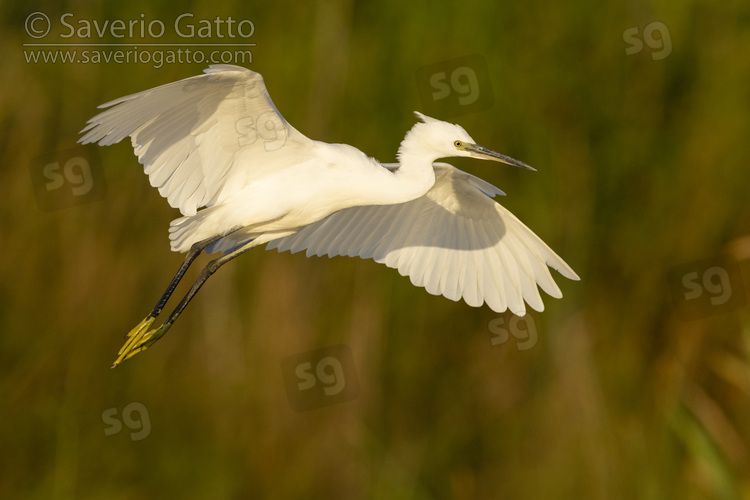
[{"x": 218, "y": 149}]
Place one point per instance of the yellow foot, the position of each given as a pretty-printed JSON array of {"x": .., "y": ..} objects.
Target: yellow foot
[{"x": 139, "y": 339}]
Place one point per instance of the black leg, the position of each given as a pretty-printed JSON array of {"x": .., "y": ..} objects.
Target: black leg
[
  {"x": 192, "y": 254},
  {"x": 140, "y": 338}
]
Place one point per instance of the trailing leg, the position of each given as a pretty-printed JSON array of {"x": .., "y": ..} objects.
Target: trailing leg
[{"x": 140, "y": 338}]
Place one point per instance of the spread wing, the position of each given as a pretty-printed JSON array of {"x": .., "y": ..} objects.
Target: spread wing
[
  {"x": 203, "y": 138},
  {"x": 454, "y": 241}
]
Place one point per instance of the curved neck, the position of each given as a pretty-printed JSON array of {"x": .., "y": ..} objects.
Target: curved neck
[
  {"x": 415, "y": 174},
  {"x": 413, "y": 177}
]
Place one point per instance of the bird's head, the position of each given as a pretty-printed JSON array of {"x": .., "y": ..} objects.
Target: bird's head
[{"x": 441, "y": 139}]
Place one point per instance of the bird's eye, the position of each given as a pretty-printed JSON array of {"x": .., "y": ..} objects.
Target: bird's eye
[{"x": 458, "y": 144}]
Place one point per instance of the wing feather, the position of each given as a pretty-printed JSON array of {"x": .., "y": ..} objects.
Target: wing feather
[
  {"x": 189, "y": 135},
  {"x": 454, "y": 241}
]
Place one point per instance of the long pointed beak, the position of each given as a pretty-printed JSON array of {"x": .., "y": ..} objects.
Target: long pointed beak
[{"x": 478, "y": 151}]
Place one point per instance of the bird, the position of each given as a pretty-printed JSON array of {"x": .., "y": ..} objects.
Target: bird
[{"x": 216, "y": 147}]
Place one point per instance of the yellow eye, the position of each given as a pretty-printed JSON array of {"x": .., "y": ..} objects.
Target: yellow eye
[{"x": 458, "y": 144}]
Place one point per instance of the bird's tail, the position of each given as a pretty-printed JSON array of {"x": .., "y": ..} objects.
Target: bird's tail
[
  {"x": 182, "y": 233},
  {"x": 185, "y": 231},
  {"x": 190, "y": 229}
]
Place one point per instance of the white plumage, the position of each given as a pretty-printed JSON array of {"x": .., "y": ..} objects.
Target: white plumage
[
  {"x": 455, "y": 241},
  {"x": 218, "y": 149}
]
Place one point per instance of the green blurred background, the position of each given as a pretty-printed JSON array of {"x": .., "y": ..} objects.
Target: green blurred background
[{"x": 642, "y": 156}]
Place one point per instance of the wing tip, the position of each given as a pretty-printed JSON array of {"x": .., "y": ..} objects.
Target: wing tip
[
  {"x": 564, "y": 269},
  {"x": 221, "y": 68}
]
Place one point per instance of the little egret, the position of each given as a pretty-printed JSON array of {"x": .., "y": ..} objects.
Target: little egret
[{"x": 218, "y": 149}]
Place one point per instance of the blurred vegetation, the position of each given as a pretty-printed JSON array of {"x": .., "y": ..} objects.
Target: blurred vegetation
[{"x": 642, "y": 167}]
